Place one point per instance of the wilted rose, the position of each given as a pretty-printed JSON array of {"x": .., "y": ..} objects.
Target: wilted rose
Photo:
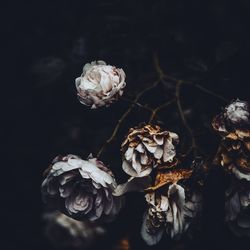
[
  {"x": 235, "y": 116},
  {"x": 100, "y": 84},
  {"x": 233, "y": 124},
  {"x": 172, "y": 206},
  {"x": 81, "y": 189},
  {"x": 65, "y": 232},
  {"x": 147, "y": 147}
]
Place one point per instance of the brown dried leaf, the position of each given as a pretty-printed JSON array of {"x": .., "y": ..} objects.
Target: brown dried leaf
[{"x": 164, "y": 178}]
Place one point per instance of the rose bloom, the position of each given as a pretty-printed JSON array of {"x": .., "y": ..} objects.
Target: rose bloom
[
  {"x": 100, "y": 84},
  {"x": 81, "y": 189},
  {"x": 173, "y": 205},
  {"x": 147, "y": 147},
  {"x": 171, "y": 213}
]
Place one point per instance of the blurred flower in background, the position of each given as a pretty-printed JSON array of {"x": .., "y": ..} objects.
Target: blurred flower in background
[
  {"x": 47, "y": 70},
  {"x": 79, "y": 50},
  {"x": 67, "y": 233}
]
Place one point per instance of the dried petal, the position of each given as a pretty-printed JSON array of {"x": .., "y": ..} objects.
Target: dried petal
[
  {"x": 172, "y": 176},
  {"x": 148, "y": 147},
  {"x": 170, "y": 211},
  {"x": 234, "y": 153}
]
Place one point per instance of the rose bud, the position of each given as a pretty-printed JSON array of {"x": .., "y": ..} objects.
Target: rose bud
[
  {"x": 237, "y": 210},
  {"x": 100, "y": 84},
  {"x": 81, "y": 189},
  {"x": 172, "y": 206},
  {"x": 233, "y": 124},
  {"x": 65, "y": 232},
  {"x": 147, "y": 147}
]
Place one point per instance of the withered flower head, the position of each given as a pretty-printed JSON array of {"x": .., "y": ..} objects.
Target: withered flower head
[
  {"x": 237, "y": 210},
  {"x": 234, "y": 156},
  {"x": 147, "y": 147},
  {"x": 238, "y": 112},
  {"x": 65, "y": 232},
  {"x": 100, "y": 84},
  {"x": 172, "y": 206},
  {"x": 233, "y": 124},
  {"x": 81, "y": 189},
  {"x": 234, "y": 118}
]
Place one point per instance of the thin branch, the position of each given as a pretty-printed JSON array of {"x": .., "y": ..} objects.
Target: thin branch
[
  {"x": 184, "y": 121},
  {"x": 162, "y": 77},
  {"x": 171, "y": 78},
  {"x": 141, "y": 93},
  {"x": 157, "y": 109},
  {"x": 199, "y": 86},
  {"x": 210, "y": 92},
  {"x": 137, "y": 104},
  {"x": 158, "y": 67},
  {"x": 125, "y": 114}
]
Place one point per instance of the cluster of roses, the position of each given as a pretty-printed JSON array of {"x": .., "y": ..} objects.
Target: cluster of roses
[
  {"x": 233, "y": 125},
  {"x": 87, "y": 189}
]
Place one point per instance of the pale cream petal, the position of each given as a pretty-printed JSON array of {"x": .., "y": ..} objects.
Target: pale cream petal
[
  {"x": 127, "y": 168},
  {"x": 159, "y": 139},
  {"x": 149, "y": 147},
  {"x": 169, "y": 151},
  {"x": 129, "y": 153},
  {"x": 144, "y": 159},
  {"x": 158, "y": 153},
  {"x": 136, "y": 164},
  {"x": 140, "y": 148}
]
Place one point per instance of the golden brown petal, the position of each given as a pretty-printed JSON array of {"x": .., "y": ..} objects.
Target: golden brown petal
[
  {"x": 164, "y": 178},
  {"x": 243, "y": 164}
]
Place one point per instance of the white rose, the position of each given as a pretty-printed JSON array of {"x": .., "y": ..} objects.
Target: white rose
[
  {"x": 100, "y": 84},
  {"x": 81, "y": 189}
]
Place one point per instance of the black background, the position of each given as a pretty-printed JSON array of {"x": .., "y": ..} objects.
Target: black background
[{"x": 46, "y": 43}]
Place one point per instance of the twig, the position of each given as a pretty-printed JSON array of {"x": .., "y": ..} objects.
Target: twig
[
  {"x": 158, "y": 67},
  {"x": 138, "y": 104},
  {"x": 157, "y": 109},
  {"x": 210, "y": 92},
  {"x": 125, "y": 114},
  {"x": 199, "y": 86},
  {"x": 184, "y": 121},
  {"x": 114, "y": 132},
  {"x": 162, "y": 77}
]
